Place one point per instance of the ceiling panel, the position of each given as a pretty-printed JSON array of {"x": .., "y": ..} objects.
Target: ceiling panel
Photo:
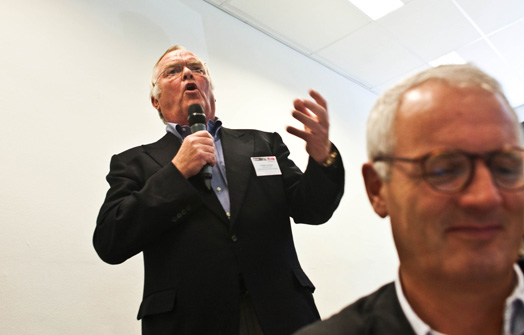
[
  {"x": 308, "y": 25},
  {"x": 484, "y": 56},
  {"x": 369, "y": 56},
  {"x": 375, "y": 54},
  {"x": 509, "y": 42},
  {"x": 420, "y": 26},
  {"x": 490, "y": 15}
]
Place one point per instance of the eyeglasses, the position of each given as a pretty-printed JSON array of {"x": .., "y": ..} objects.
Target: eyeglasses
[
  {"x": 452, "y": 171},
  {"x": 177, "y": 69}
]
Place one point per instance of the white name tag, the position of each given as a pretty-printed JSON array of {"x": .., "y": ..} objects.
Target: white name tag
[{"x": 266, "y": 166}]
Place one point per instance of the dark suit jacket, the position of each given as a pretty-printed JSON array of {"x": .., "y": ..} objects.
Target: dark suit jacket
[
  {"x": 376, "y": 314},
  {"x": 194, "y": 255}
]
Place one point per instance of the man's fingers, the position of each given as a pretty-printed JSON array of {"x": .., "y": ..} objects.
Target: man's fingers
[
  {"x": 312, "y": 109},
  {"x": 297, "y": 132},
  {"x": 318, "y": 98},
  {"x": 306, "y": 120},
  {"x": 300, "y": 107}
]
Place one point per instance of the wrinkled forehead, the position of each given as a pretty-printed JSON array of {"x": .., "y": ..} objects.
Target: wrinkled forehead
[{"x": 179, "y": 57}]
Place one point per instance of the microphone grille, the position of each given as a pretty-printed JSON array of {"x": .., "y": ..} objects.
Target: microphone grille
[{"x": 195, "y": 109}]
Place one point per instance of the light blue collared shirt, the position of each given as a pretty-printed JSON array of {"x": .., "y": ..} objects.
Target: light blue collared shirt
[
  {"x": 513, "y": 310},
  {"x": 219, "y": 179}
]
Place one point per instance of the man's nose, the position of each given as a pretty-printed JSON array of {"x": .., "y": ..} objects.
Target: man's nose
[
  {"x": 187, "y": 73},
  {"x": 482, "y": 191}
]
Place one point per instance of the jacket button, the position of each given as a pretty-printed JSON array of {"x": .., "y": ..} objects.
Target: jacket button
[{"x": 234, "y": 238}]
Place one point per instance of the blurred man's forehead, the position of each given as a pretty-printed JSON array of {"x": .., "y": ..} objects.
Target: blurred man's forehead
[
  {"x": 437, "y": 91},
  {"x": 432, "y": 116}
]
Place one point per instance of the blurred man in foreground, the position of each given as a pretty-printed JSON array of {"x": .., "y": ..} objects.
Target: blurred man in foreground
[{"x": 446, "y": 165}]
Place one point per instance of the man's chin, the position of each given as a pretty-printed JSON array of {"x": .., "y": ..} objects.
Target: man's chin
[{"x": 484, "y": 268}]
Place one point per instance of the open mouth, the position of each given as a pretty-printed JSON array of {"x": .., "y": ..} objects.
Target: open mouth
[{"x": 191, "y": 87}]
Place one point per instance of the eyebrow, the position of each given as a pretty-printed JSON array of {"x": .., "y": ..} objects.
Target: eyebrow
[
  {"x": 194, "y": 62},
  {"x": 160, "y": 70}
]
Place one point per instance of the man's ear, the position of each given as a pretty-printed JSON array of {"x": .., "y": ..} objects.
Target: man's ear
[
  {"x": 154, "y": 102},
  {"x": 374, "y": 187}
]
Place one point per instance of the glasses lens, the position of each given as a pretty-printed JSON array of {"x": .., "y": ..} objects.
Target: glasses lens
[
  {"x": 173, "y": 70},
  {"x": 199, "y": 68},
  {"x": 447, "y": 172},
  {"x": 507, "y": 169},
  {"x": 177, "y": 69}
]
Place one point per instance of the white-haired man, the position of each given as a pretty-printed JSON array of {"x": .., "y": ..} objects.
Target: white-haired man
[
  {"x": 446, "y": 165},
  {"x": 218, "y": 261}
]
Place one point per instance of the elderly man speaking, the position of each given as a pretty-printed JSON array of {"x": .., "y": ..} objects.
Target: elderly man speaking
[{"x": 218, "y": 250}]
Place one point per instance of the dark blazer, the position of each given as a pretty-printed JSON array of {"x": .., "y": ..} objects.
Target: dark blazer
[
  {"x": 376, "y": 314},
  {"x": 194, "y": 256}
]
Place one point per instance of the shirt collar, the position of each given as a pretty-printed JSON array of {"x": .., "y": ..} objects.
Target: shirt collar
[
  {"x": 213, "y": 127},
  {"x": 421, "y": 328},
  {"x": 514, "y": 304},
  {"x": 518, "y": 292}
]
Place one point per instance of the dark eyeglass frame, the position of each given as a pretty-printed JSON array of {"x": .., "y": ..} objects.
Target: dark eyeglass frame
[
  {"x": 488, "y": 159},
  {"x": 196, "y": 67}
]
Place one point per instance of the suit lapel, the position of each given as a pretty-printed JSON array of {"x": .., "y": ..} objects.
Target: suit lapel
[
  {"x": 163, "y": 152},
  {"x": 238, "y": 147},
  {"x": 388, "y": 316},
  {"x": 164, "y": 149}
]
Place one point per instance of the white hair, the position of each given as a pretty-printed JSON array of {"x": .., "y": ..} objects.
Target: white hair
[
  {"x": 154, "y": 90},
  {"x": 381, "y": 139}
]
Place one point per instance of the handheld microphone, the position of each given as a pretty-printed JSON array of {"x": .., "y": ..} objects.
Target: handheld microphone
[{"x": 197, "y": 121}]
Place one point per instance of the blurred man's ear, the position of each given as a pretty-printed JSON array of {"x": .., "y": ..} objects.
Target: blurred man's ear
[{"x": 374, "y": 185}]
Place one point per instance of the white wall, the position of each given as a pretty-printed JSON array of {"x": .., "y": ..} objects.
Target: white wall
[{"x": 74, "y": 90}]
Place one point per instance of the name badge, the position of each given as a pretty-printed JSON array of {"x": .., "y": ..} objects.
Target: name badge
[{"x": 266, "y": 166}]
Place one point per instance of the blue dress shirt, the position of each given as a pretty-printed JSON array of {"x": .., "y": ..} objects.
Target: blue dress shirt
[{"x": 219, "y": 179}]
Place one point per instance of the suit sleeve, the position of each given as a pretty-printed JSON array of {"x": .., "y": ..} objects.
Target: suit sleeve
[
  {"x": 314, "y": 195},
  {"x": 139, "y": 207}
]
